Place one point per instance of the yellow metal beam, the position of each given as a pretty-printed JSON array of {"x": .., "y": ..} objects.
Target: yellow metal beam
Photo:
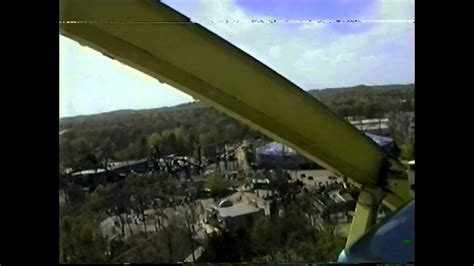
[
  {"x": 393, "y": 202},
  {"x": 365, "y": 213},
  {"x": 400, "y": 188},
  {"x": 153, "y": 38}
]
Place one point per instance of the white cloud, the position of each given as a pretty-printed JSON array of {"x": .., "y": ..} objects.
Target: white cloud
[
  {"x": 396, "y": 9},
  {"x": 314, "y": 55},
  {"x": 312, "y": 25},
  {"x": 275, "y": 51}
]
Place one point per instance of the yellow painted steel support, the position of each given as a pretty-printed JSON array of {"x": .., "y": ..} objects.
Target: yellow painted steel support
[
  {"x": 400, "y": 188},
  {"x": 365, "y": 214},
  {"x": 393, "y": 202}
]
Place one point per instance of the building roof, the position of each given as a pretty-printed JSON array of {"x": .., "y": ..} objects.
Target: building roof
[
  {"x": 260, "y": 181},
  {"x": 89, "y": 172},
  {"x": 237, "y": 210},
  {"x": 116, "y": 165}
]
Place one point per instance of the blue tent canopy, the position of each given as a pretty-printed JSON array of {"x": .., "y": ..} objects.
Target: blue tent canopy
[
  {"x": 388, "y": 144},
  {"x": 276, "y": 148}
]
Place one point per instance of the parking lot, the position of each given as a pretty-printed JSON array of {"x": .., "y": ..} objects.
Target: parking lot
[{"x": 313, "y": 177}]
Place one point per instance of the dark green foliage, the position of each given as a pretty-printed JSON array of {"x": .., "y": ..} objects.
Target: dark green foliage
[
  {"x": 216, "y": 184},
  {"x": 81, "y": 239},
  {"x": 368, "y": 101},
  {"x": 287, "y": 238},
  {"x": 128, "y": 135}
]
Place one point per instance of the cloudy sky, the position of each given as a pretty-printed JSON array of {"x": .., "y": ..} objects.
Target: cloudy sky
[{"x": 307, "y": 49}]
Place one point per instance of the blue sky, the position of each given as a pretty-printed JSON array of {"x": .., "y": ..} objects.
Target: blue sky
[{"x": 312, "y": 55}]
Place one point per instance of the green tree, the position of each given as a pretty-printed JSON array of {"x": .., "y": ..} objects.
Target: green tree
[
  {"x": 116, "y": 204},
  {"x": 216, "y": 184},
  {"x": 66, "y": 248},
  {"x": 169, "y": 142},
  {"x": 81, "y": 240},
  {"x": 155, "y": 139},
  {"x": 81, "y": 154},
  {"x": 183, "y": 145},
  {"x": 264, "y": 237}
]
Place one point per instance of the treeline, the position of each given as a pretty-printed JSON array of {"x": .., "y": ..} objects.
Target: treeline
[
  {"x": 82, "y": 239},
  {"x": 368, "y": 101},
  {"x": 127, "y": 134}
]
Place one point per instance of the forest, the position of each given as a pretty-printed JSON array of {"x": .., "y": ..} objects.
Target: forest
[
  {"x": 368, "y": 101},
  {"x": 128, "y": 134}
]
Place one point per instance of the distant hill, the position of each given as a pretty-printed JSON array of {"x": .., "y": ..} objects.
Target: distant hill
[
  {"x": 364, "y": 90},
  {"x": 368, "y": 101},
  {"x": 126, "y": 134},
  {"x": 329, "y": 96},
  {"x": 122, "y": 112}
]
